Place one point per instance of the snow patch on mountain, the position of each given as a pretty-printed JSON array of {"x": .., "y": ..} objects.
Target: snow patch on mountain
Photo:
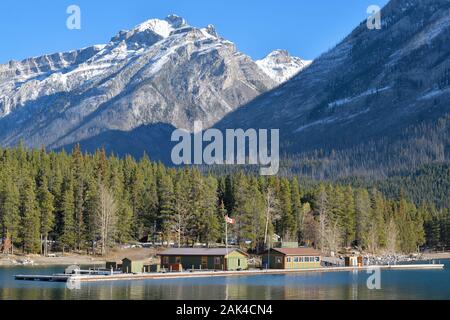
[
  {"x": 434, "y": 93},
  {"x": 441, "y": 25},
  {"x": 162, "y": 27},
  {"x": 347, "y": 100}
]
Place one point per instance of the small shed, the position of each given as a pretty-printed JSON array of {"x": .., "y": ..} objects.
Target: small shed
[
  {"x": 353, "y": 261},
  {"x": 132, "y": 266},
  {"x": 205, "y": 258}
]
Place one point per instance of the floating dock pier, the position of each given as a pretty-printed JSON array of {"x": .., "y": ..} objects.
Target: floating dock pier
[
  {"x": 46, "y": 278},
  {"x": 207, "y": 274}
]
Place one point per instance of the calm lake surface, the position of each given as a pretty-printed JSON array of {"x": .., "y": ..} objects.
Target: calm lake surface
[{"x": 400, "y": 284}]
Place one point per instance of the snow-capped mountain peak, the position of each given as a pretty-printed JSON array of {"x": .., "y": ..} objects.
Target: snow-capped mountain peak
[
  {"x": 150, "y": 31},
  {"x": 281, "y": 66},
  {"x": 162, "y": 71},
  {"x": 162, "y": 27}
]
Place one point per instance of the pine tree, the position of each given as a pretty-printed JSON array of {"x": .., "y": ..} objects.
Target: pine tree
[
  {"x": 47, "y": 212},
  {"x": 181, "y": 216},
  {"x": 78, "y": 177},
  {"x": 288, "y": 220},
  {"x": 135, "y": 183},
  {"x": 68, "y": 233},
  {"x": 297, "y": 207},
  {"x": 9, "y": 208},
  {"x": 252, "y": 216},
  {"x": 166, "y": 204},
  {"x": 349, "y": 219},
  {"x": 362, "y": 214},
  {"x": 376, "y": 230},
  {"x": 91, "y": 211},
  {"x": 321, "y": 205},
  {"x": 30, "y": 217},
  {"x": 211, "y": 230}
]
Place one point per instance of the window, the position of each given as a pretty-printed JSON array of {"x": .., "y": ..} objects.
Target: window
[
  {"x": 306, "y": 259},
  {"x": 302, "y": 259},
  {"x": 317, "y": 259},
  {"x": 166, "y": 260},
  {"x": 296, "y": 259},
  {"x": 278, "y": 260},
  {"x": 288, "y": 259}
]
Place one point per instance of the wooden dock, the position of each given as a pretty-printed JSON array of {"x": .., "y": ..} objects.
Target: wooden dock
[
  {"x": 208, "y": 274},
  {"x": 46, "y": 278}
]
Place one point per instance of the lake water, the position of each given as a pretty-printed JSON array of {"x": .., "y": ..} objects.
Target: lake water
[{"x": 398, "y": 284}]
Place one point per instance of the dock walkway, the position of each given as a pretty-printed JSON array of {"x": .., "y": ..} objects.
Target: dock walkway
[
  {"x": 46, "y": 278},
  {"x": 181, "y": 275},
  {"x": 207, "y": 274}
]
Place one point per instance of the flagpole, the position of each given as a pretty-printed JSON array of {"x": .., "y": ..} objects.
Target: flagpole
[
  {"x": 226, "y": 243},
  {"x": 226, "y": 234}
]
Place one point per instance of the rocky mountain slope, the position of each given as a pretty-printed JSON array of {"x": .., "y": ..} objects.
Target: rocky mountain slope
[
  {"x": 377, "y": 101},
  {"x": 161, "y": 74}
]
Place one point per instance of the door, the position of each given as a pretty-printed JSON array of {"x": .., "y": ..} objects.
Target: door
[
  {"x": 204, "y": 262},
  {"x": 279, "y": 262},
  {"x": 218, "y": 263}
]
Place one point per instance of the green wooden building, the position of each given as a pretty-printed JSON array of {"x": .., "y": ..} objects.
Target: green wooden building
[
  {"x": 132, "y": 266},
  {"x": 291, "y": 258},
  {"x": 205, "y": 259}
]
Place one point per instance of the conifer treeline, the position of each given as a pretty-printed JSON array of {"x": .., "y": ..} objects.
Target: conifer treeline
[{"x": 90, "y": 203}]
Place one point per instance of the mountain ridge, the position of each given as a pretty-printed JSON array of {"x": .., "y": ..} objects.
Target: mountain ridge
[
  {"x": 161, "y": 71},
  {"x": 370, "y": 89}
]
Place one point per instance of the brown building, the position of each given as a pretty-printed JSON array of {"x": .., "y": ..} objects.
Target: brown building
[
  {"x": 204, "y": 258},
  {"x": 292, "y": 258},
  {"x": 353, "y": 261}
]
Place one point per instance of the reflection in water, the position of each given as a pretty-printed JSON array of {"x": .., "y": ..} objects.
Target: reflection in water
[
  {"x": 354, "y": 285},
  {"x": 406, "y": 284}
]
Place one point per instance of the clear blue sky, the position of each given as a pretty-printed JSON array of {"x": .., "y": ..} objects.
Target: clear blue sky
[{"x": 305, "y": 28}]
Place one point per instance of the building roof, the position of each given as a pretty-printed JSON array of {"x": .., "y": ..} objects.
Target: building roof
[
  {"x": 199, "y": 252},
  {"x": 298, "y": 251},
  {"x": 131, "y": 260}
]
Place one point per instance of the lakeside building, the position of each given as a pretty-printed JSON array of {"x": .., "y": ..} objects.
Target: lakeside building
[
  {"x": 353, "y": 261},
  {"x": 231, "y": 259},
  {"x": 133, "y": 266},
  {"x": 291, "y": 258}
]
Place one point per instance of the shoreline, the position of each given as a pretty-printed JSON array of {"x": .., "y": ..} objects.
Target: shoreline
[
  {"x": 436, "y": 256},
  {"x": 51, "y": 261},
  {"x": 74, "y": 259}
]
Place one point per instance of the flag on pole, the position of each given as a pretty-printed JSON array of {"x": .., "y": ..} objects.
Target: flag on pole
[{"x": 230, "y": 220}]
